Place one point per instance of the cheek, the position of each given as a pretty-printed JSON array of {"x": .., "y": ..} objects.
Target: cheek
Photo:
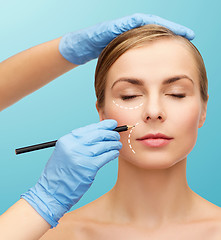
[
  {"x": 185, "y": 128},
  {"x": 186, "y": 119},
  {"x": 122, "y": 116}
]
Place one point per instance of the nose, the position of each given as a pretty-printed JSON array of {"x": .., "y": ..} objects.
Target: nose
[{"x": 153, "y": 110}]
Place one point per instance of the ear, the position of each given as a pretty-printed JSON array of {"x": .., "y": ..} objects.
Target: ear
[
  {"x": 203, "y": 114},
  {"x": 101, "y": 113}
]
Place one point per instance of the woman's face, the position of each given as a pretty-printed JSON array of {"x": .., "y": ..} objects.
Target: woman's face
[{"x": 136, "y": 94}]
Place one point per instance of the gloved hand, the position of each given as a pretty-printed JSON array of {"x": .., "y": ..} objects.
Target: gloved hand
[
  {"x": 82, "y": 46},
  {"x": 72, "y": 168}
]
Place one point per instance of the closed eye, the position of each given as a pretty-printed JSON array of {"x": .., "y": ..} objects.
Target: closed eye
[
  {"x": 129, "y": 97},
  {"x": 178, "y": 95}
]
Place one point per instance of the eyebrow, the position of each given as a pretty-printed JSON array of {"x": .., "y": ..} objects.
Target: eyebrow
[{"x": 139, "y": 82}]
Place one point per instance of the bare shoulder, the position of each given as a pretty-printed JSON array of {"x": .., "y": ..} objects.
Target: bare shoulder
[
  {"x": 213, "y": 222},
  {"x": 215, "y": 227},
  {"x": 206, "y": 217},
  {"x": 75, "y": 224},
  {"x": 205, "y": 209},
  {"x": 218, "y": 223}
]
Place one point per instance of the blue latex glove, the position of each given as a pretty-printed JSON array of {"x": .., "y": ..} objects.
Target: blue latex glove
[
  {"x": 84, "y": 45},
  {"x": 72, "y": 168}
]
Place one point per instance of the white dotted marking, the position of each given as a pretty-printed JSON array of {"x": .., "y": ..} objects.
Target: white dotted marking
[
  {"x": 129, "y": 138},
  {"x": 130, "y": 108}
]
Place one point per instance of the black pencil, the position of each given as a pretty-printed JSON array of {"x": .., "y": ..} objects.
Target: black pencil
[{"x": 52, "y": 143}]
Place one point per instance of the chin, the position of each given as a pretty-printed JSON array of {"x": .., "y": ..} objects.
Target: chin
[{"x": 150, "y": 162}]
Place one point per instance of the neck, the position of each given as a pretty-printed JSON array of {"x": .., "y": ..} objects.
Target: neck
[{"x": 153, "y": 196}]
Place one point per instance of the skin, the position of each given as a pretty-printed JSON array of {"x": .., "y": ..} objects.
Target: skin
[
  {"x": 30, "y": 70},
  {"x": 151, "y": 197},
  {"x": 159, "y": 172}
]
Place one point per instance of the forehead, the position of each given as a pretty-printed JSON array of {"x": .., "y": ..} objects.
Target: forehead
[{"x": 155, "y": 61}]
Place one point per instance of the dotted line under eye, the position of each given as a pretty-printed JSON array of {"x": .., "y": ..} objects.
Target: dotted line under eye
[
  {"x": 129, "y": 108},
  {"x": 129, "y": 139}
]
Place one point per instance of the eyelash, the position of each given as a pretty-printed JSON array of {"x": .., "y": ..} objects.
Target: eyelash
[{"x": 134, "y": 96}]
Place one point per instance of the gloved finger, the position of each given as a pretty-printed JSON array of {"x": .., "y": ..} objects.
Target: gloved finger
[
  {"x": 105, "y": 124},
  {"x": 178, "y": 29},
  {"x": 104, "y": 158},
  {"x": 100, "y": 148},
  {"x": 175, "y": 27},
  {"x": 99, "y": 136},
  {"x": 139, "y": 19}
]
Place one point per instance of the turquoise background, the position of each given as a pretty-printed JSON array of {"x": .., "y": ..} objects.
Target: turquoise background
[{"x": 69, "y": 101}]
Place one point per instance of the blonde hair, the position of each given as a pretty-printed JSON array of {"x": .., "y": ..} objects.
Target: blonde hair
[{"x": 135, "y": 38}]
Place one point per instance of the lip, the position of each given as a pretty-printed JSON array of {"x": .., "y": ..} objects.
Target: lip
[
  {"x": 155, "y": 140},
  {"x": 156, "y": 135}
]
